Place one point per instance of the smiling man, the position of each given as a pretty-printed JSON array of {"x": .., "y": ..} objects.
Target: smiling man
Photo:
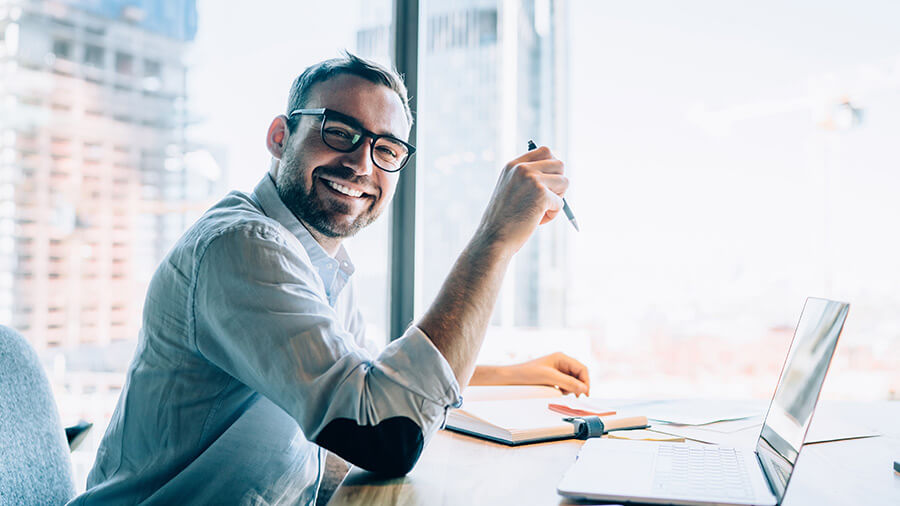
[{"x": 252, "y": 361}]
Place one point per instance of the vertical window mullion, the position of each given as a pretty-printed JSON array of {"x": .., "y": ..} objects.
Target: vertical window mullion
[{"x": 403, "y": 216}]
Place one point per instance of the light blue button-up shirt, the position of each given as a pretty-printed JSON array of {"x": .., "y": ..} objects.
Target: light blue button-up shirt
[{"x": 251, "y": 348}]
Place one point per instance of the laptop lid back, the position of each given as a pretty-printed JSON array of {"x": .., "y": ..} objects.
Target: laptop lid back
[{"x": 791, "y": 409}]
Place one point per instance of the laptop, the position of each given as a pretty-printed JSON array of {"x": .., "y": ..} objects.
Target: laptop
[{"x": 676, "y": 473}]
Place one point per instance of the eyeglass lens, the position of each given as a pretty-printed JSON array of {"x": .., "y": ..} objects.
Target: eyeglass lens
[{"x": 386, "y": 153}]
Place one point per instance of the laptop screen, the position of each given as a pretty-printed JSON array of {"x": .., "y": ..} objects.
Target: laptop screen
[{"x": 798, "y": 389}]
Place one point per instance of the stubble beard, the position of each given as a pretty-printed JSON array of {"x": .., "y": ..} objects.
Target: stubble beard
[{"x": 309, "y": 207}]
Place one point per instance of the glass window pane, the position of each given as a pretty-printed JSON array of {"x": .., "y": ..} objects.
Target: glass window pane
[
  {"x": 124, "y": 63},
  {"x": 492, "y": 77},
  {"x": 120, "y": 144},
  {"x": 719, "y": 178},
  {"x": 370, "y": 248}
]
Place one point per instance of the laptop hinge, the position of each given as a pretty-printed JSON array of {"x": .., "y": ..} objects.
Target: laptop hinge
[{"x": 766, "y": 476}]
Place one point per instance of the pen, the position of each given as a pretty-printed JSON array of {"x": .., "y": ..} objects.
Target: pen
[{"x": 566, "y": 208}]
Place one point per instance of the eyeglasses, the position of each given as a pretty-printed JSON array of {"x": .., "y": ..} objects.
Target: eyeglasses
[{"x": 344, "y": 133}]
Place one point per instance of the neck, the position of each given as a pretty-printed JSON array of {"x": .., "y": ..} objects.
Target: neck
[{"x": 329, "y": 244}]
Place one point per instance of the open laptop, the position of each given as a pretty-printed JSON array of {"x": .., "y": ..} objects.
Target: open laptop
[{"x": 676, "y": 473}]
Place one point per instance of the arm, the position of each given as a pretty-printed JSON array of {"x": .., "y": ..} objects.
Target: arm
[
  {"x": 261, "y": 316},
  {"x": 528, "y": 193},
  {"x": 556, "y": 370}
]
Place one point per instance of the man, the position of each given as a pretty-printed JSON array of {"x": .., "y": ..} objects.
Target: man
[{"x": 252, "y": 360}]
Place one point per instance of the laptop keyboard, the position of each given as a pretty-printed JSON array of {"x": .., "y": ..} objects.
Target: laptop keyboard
[{"x": 701, "y": 472}]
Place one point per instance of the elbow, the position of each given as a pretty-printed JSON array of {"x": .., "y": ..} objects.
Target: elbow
[{"x": 390, "y": 448}]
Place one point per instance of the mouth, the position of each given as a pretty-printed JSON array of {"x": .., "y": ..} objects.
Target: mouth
[{"x": 344, "y": 190}]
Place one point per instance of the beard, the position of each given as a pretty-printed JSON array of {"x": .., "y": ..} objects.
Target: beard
[{"x": 311, "y": 208}]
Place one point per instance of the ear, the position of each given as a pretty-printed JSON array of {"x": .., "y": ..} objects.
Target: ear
[{"x": 277, "y": 136}]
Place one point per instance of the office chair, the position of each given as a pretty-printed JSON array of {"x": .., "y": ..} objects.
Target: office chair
[{"x": 35, "y": 467}]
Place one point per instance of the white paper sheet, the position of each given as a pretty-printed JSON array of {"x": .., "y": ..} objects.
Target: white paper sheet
[{"x": 698, "y": 411}]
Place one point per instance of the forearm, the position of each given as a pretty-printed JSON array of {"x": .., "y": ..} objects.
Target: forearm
[
  {"x": 556, "y": 370},
  {"x": 457, "y": 320},
  {"x": 528, "y": 192},
  {"x": 491, "y": 375}
]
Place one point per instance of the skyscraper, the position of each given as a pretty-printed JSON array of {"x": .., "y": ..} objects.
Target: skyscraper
[
  {"x": 491, "y": 76},
  {"x": 95, "y": 176}
]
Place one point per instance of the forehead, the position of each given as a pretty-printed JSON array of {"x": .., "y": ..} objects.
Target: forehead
[{"x": 376, "y": 106}]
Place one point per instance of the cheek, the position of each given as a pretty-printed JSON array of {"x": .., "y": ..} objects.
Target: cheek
[
  {"x": 388, "y": 184},
  {"x": 300, "y": 166}
]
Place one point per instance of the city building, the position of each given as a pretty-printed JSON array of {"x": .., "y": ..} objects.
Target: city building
[
  {"x": 492, "y": 76},
  {"x": 96, "y": 180}
]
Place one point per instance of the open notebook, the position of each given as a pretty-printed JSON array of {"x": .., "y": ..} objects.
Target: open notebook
[{"x": 527, "y": 420}]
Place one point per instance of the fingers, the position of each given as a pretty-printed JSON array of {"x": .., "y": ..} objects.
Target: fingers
[
  {"x": 568, "y": 384},
  {"x": 548, "y": 166},
  {"x": 556, "y": 183},
  {"x": 528, "y": 192},
  {"x": 541, "y": 153},
  {"x": 572, "y": 367},
  {"x": 552, "y": 186},
  {"x": 549, "y": 216}
]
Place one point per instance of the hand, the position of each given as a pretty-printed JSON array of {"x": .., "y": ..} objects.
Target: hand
[
  {"x": 529, "y": 192},
  {"x": 556, "y": 370}
]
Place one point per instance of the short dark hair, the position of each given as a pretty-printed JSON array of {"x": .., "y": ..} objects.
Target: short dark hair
[{"x": 348, "y": 63}]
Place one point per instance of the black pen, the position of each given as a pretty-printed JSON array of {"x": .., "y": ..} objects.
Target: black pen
[{"x": 566, "y": 208}]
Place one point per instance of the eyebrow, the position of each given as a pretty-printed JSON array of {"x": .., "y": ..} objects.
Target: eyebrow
[{"x": 356, "y": 122}]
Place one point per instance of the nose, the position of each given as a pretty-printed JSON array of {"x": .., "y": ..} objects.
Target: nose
[{"x": 360, "y": 159}]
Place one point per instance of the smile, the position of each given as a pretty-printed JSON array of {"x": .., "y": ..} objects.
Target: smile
[{"x": 343, "y": 189}]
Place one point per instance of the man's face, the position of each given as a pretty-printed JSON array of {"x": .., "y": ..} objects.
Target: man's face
[{"x": 314, "y": 180}]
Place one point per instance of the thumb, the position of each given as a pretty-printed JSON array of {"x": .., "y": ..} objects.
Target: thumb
[{"x": 554, "y": 206}]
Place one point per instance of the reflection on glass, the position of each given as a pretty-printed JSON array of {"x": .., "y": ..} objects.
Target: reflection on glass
[
  {"x": 369, "y": 248},
  {"x": 493, "y": 74},
  {"x": 798, "y": 388},
  {"x": 115, "y": 139}
]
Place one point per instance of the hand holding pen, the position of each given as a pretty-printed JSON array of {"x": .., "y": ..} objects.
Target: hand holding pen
[
  {"x": 566, "y": 209},
  {"x": 528, "y": 193}
]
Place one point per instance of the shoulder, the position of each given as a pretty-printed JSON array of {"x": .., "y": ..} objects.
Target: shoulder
[{"x": 236, "y": 224}]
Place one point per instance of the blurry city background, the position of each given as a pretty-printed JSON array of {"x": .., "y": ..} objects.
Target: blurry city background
[{"x": 726, "y": 161}]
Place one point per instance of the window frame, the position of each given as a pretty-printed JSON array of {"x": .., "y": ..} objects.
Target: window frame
[{"x": 402, "y": 254}]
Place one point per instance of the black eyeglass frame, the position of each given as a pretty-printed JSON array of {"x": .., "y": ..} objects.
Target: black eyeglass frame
[{"x": 325, "y": 113}]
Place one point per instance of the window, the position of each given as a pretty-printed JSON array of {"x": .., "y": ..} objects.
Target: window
[
  {"x": 718, "y": 183},
  {"x": 62, "y": 49},
  {"x": 93, "y": 56},
  {"x": 719, "y": 178},
  {"x": 124, "y": 63},
  {"x": 152, "y": 68},
  {"x": 186, "y": 146},
  {"x": 470, "y": 124}
]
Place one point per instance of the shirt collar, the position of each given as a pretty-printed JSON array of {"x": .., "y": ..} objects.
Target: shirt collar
[{"x": 334, "y": 271}]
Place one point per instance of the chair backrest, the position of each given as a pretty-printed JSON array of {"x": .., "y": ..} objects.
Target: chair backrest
[{"x": 35, "y": 467}]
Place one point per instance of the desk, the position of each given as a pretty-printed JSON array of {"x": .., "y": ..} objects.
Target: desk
[{"x": 457, "y": 469}]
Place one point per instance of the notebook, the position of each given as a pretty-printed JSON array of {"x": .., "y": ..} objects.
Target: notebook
[{"x": 520, "y": 421}]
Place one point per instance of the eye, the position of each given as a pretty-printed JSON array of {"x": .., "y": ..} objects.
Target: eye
[
  {"x": 339, "y": 132},
  {"x": 385, "y": 150}
]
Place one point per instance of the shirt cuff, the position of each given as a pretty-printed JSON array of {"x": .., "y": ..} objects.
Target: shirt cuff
[{"x": 425, "y": 370}]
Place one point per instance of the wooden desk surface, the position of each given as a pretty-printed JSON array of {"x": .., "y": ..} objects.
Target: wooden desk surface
[{"x": 457, "y": 469}]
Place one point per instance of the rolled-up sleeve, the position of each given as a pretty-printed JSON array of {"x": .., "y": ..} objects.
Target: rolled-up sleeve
[{"x": 260, "y": 314}]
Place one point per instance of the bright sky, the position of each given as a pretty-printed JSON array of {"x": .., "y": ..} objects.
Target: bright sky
[{"x": 668, "y": 196}]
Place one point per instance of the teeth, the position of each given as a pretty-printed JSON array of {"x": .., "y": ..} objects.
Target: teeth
[{"x": 343, "y": 189}]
